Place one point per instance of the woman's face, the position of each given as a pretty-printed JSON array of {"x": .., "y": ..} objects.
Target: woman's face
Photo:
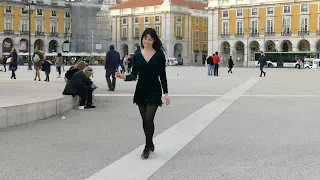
[{"x": 147, "y": 41}]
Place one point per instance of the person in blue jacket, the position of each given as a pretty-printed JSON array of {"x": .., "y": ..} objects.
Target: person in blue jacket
[
  {"x": 13, "y": 64},
  {"x": 46, "y": 67}
]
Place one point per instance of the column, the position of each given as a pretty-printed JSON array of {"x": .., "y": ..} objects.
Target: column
[
  {"x": 130, "y": 29},
  {"x": 213, "y": 36},
  {"x": 167, "y": 27}
]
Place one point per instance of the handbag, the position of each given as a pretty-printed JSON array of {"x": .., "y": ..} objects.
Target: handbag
[
  {"x": 9, "y": 60},
  {"x": 36, "y": 58}
]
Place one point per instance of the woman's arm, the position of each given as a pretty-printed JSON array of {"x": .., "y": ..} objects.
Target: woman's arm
[
  {"x": 163, "y": 74},
  {"x": 134, "y": 73}
]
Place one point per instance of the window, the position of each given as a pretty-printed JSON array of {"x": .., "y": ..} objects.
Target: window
[
  {"x": 269, "y": 26},
  {"x": 24, "y": 25},
  {"x": 254, "y": 27},
  {"x": 286, "y": 25},
  {"x": 67, "y": 14},
  {"x": 270, "y": 10},
  {"x": 197, "y": 21},
  {"x": 239, "y": 27},
  {"x": 124, "y": 32},
  {"x": 136, "y": 20},
  {"x": 304, "y": 24},
  {"x": 157, "y": 19},
  {"x": 124, "y": 21},
  {"x": 67, "y": 27},
  {"x": 54, "y": 13},
  {"x": 304, "y": 8},
  {"x": 136, "y": 32},
  {"x": 24, "y": 11},
  {"x": 54, "y": 25},
  {"x": 179, "y": 19},
  {"x": 239, "y": 13},
  {"x": 8, "y": 24},
  {"x": 197, "y": 34},
  {"x": 8, "y": 9},
  {"x": 196, "y": 46},
  {"x": 178, "y": 31},
  {"x": 225, "y": 14},
  {"x": 204, "y": 34},
  {"x": 225, "y": 28},
  {"x": 39, "y": 26},
  {"x": 286, "y": 9},
  {"x": 146, "y": 19},
  {"x": 157, "y": 28},
  {"x": 254, "y": 12},
  {"x": 204, "y": 47},
  {"x": 146, "y": 27},
  {"x": 204, "y": 21},
  {"x": 39, "y": 12}
]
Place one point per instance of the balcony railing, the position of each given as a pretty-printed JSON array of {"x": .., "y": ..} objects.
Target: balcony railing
[
  {"x": 286, "y": 33},
  {"x": 178, "y": 37},
  {"x": 224, "y": 35},
  {"x": 254, "y": 34},
  {"x": 8, "y": 32},
  {"x": 24, "y": 32},
  {"x": 136, "y": 38},
  {"x": 124, "y": 38},
  {"x": 54, "y": 34},
  {"x": 269, "y": 33},
  {"x": 238, "y": 34},
  {"x": 303, "y": 33},
  {"x": 39, "y": 33}
]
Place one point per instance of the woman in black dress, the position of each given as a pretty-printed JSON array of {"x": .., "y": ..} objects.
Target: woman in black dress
[{"x": 149, "y": 64}]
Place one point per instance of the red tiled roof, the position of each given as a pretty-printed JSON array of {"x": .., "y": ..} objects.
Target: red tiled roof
[{"x": 143, "y": 3}]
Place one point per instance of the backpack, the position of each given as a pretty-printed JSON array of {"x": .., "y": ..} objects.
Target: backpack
[{"x": 209, "y": 60}]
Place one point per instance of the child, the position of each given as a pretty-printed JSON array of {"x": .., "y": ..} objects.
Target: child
[{"x": 46, "y": 67}]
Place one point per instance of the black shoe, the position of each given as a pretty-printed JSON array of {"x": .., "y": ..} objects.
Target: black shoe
[
  {"x": 110, "y": 89},
  {"x": 145, "y": 154},
  {"x": 152, "y": 149},
  {"x": 89, "y": 106},
  {"x": 264, "y": 73}
]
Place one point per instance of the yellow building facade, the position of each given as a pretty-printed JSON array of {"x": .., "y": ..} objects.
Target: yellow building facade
[
  {"x": 50, "y": 27},
  {"x": 284, "y": 26},
  {"x": 183, "y": 31}
]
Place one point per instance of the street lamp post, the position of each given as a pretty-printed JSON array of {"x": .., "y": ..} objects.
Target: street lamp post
[{"x": 30, "y": 9}]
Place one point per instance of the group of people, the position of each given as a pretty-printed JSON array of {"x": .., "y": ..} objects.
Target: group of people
[{"x": 213, "y": 64}]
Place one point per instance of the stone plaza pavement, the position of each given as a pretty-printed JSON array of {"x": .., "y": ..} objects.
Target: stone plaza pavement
[{"x": 236, "y": 126}]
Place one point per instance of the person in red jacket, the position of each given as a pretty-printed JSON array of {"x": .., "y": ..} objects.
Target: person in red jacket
[{"x": 216, "y": 61}]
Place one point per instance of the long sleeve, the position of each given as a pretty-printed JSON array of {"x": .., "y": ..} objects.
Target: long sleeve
[
  {"x": 163, "y": 74},
  {"x": 134, "y": 73}
]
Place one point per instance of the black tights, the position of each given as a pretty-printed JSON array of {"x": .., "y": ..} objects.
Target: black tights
[
  {"x": 148, "y": 111},
  {"x": 13, "y": 74}
]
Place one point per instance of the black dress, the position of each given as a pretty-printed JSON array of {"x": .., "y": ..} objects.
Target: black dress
[{"x": 148, "y": 89}]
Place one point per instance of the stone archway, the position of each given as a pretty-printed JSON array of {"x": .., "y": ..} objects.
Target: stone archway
[
  {"x": 303, "y": 45},
  {"x": 254, "y": 46},
  {"x": 7, "y": 45},
  {"x": 66, "y": 46},
  {"x": 270, "y": 46},
  {"x": 39, "y": 43},
  {"x": 23, "y": 45},
  {"x": 177, "y": 52},
  {"x": 224, "y": 52},
  {"x": 286, "y": 46},
  {"x": 238, "y": 53},
  {"x": 53, "y": 46},
  {"x": 124, "y": 50}
]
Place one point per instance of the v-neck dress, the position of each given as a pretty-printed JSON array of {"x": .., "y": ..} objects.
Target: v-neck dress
[{"x": 152, "y": 78}]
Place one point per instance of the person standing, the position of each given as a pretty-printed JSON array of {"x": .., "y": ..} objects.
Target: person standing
[
  {"x": 230, "y": 64},
  {"x": 262, "y": 61},
  {"x": 46, "y": 67},
  {"x": 5, "y": 64},
  {"x": 111, "y": 65},
  {"x": 59, "y": 64},
  {"x": 150, "y": 64},
  {"x": 216, "y": 61},
  {"x": 37, "y": 58},
  {"x": 210, "y": 65},
  {"x": 13, "y": 65}
]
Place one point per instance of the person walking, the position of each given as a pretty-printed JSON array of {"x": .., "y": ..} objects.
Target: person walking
[
  {"x": 4, "y": 63},
  {"x": 262, "y": 61},
  {"x": 210, "y": 65},
  {"x": 111, "y": 64},
  {"x": 59, "y": 64},
  {"x": 13, "y": 65},
  {"x": 216, "y": 61},
  {"x": 150, "y": 64},
  {"x": 230, "y": 64}
]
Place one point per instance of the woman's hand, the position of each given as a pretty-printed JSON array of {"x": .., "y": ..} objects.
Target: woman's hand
[
  {"x": 167, "y": 98},
  {"x": 120, "y": 75}
]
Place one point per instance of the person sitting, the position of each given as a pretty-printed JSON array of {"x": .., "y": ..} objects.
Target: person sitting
[
  {"x": 79, "y": 66},
  {"x": 80, "y": 84}
]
